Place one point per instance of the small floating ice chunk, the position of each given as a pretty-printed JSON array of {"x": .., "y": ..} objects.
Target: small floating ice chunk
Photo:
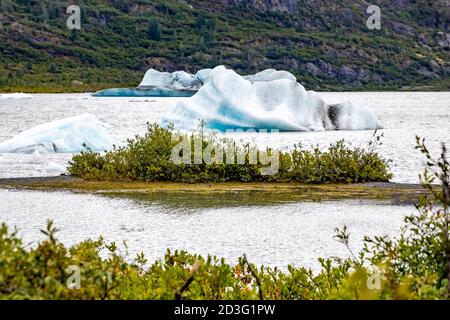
[
  {"x": 62, "y": 136},
  {"x": 230, "y": 101},
  {"x": 19, "y": 95},
  {"x": 346, "y": 116},
  {"x": 141, "y": 100}
]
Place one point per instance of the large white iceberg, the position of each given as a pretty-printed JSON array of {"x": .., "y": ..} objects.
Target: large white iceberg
[
  {"x": 229, "y": 101},
  {"x": 62, "y": 136}
]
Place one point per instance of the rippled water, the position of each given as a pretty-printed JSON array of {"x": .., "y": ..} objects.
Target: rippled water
[
  {"x": 270, "y": 234},
  {"x": 403, "y": 115},
  {"x": 228, "y": 226}
]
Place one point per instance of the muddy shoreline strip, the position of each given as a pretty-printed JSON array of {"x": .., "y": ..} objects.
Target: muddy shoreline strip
[{"x": 24, "y": 181}]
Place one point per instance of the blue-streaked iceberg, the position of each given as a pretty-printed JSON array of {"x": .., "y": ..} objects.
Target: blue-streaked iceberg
[
  {"x": 230, "y": 101},
  {"x": 63, "y": 136}
]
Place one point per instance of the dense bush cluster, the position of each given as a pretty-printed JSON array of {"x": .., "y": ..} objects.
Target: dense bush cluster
[
  {"x": 416, "y": 265},
  {"x": 148, "y": 158}
]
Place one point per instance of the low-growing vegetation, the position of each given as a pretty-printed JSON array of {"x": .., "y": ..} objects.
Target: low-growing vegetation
[
  {"x": 415, "y": 265},
  {"x": 149, "y": 158}
]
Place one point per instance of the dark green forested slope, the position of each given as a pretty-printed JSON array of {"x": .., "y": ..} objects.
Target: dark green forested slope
[{"x": 325, "y": 43}]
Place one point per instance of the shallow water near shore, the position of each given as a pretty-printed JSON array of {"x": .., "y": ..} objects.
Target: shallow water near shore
[{"x": 272, "y": 234}]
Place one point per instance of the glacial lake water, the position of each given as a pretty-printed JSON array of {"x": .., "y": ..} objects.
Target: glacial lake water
[
  {"x": 403, "y": 115},
  {"x": 273, "y": 234}
]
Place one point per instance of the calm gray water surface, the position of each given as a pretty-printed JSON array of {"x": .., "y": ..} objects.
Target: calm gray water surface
[
  {"x": 404, "y": 115},
  {"x": 271, "y": 234}
]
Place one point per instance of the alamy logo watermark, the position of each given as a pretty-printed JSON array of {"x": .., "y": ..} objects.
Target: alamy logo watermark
[
  {"x": 74, "y": 280},
  {"x": 192, "y": 150},
  {"x": 374, "y": 21},
  {"x": 74, "y": 20}
]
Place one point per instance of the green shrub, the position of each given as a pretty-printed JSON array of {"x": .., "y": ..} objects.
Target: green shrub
[{"x": 148, "y": 158}]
